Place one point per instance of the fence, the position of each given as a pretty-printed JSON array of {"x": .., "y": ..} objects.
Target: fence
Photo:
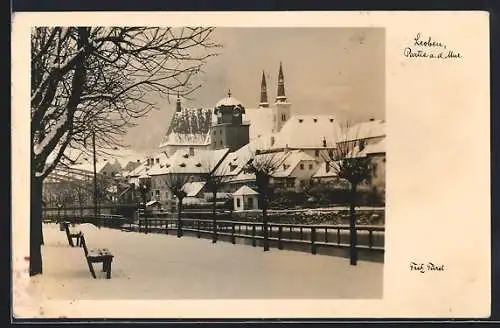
[
  {"x": 282, "y": 236},
  {"x": 322, "y": 239}
]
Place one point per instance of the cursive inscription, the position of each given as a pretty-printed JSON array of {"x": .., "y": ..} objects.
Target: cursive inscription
[
  {"x": 424, "y": 267},
  {"x": 429, "y": 48}
]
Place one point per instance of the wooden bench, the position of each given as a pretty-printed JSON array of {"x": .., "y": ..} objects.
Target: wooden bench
[
  {"x": 77, "y": 236},
  {"x": 103, "y": 256}
]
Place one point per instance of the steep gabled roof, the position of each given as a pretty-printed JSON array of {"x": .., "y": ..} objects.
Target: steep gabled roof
[
  {"x": 365, "y": 130},
  {"x": 193, "y": 188}
]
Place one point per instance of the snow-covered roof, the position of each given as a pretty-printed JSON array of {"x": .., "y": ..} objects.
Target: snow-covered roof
[
  {"x": 228, "y": 101},
  {"x": 186, "y": 139},
  {"x": 260, "y": 120},
  {"x": 193, "y": 188},
  {"x": 376, "y": 148},
  {"x": 245, "y": 190},
  {"x": 235, "y": 161},
  {"x": 137, "y": 171},
  {"x": 365, "y": 130},
  {"x": 152, "y": 202},
  {"x": 322, "y": 172},
  {"x": 88, "y": 166},
  {"x": 292, "y": 159},
  {"x": 202, "y": 161},
  {"x": 308, "y": 131}
]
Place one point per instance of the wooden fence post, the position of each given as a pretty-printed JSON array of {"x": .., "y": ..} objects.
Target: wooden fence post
[
  {"x": 280, "y": 232},
  {"x": 326, "y": 235},
  {"x": 198, "y": 228},
  {"x": 370, "y": 238},
  {"x": 253, "y": 236},
  {"x": 338, "y": 236},
  {"x": 313, "y": 240},
  {"x": 233, "y": 239}
]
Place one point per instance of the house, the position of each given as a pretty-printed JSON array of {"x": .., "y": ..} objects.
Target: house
[
  {"x": 363, "y": 134},
  {"x": 194, "y": 166},
  {"x": 245, "y": 198},
  {"x": 297, "y": 167}
]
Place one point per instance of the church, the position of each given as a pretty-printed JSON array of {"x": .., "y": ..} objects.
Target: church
[{"x": 229, "y": 134}]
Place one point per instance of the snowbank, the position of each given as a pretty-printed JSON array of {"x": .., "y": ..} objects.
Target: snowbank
[{"x": 163, "y": 267}]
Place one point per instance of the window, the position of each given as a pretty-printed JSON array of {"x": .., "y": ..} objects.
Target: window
[
  {"x": 250, "y": 202},
  {"x": 191, "y": 151},
  {"x": 215, "y": 132},
  {"x": 157, "y": 193},
  {"x": 238, "y": 204},
  {"x": 316, "y": 153},
  {"x": 157, "y": 161},
  {"x": 310, "y": 166},
  {"x": 272, "y": 140},
  {"x": 283, "y": 117},
  {"x": 301, "y": 166},
  {"x": 221, "y": 142}
]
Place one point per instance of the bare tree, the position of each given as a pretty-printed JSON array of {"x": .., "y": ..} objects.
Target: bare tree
[
  {"x": 349, "y": 164},
  {"x": 175, "y": 182},
  {"x": 87, "y": 80},
  {"x": 264, "y": 165},
  {"x": 215, "y": 178}
]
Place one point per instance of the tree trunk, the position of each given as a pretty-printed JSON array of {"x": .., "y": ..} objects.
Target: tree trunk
[
  {"x": 36, "y": 233},
  {"x": 265, "y": 229},
  {"x": 352, "y": 225},
  {"x": 214, "y": 217},
  {"x": 179, "y": 221}
]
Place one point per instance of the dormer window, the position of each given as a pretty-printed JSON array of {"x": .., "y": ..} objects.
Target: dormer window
[
  {"x": 331, "y": 120},
  {"x": 315, "y": 120},
  {"x": 301, "y": 120}
]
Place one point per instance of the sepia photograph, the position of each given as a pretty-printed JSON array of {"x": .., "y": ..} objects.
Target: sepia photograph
[
  {"x": 195, "y": 162},
  {"x": 181, "y": 165}
]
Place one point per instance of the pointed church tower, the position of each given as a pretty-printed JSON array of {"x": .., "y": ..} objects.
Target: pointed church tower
[
  {"x": 178, "y": 108},
  {"x": 282, "y": 106},
  {"x": 263, "y": 92},
  {"x": 281, "y": 86}
]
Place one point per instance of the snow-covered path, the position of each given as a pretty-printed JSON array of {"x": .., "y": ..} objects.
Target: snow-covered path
[{"x": 164, "y": 267}]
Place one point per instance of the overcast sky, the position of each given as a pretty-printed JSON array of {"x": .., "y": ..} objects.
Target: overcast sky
[{"x": 337, "y": 71}]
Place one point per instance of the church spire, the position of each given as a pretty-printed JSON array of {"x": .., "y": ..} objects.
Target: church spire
[
  {"x": 281, "y": 86},
  {"x": 263, "y": 92},
  {"x": 178, "y": 108}
]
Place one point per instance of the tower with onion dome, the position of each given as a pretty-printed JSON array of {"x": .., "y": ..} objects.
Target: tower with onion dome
[{"x": 229, "y": 131}]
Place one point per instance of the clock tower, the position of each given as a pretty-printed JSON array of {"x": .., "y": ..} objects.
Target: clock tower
[{"x": 229, "y": 131}]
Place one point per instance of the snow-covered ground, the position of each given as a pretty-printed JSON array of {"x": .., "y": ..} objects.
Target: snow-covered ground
[{"x": 163, "y": 267}]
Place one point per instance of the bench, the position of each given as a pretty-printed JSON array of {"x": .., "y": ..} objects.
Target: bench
[
  {"x": 103, "y": 256},
  {"x": 77, "y": 236}
]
